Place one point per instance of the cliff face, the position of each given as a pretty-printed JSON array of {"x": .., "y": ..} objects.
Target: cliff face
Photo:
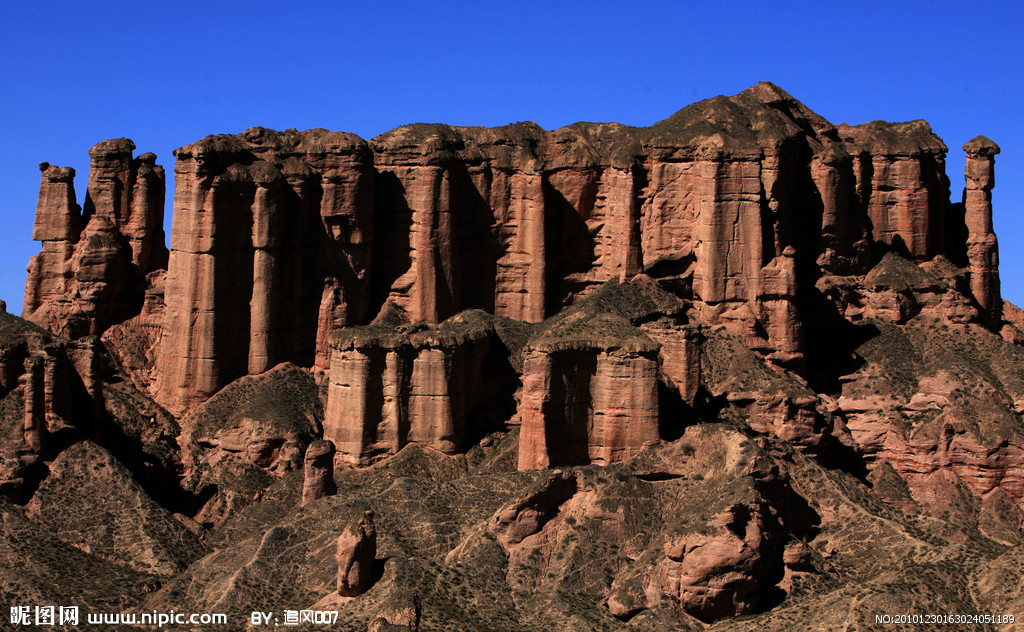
[
  {"x": 752, "y": 208},
  {"x": 394, "y": 384},
  {"x": 766, "y": 354},
  {"x": 739, "y": 203},
  {"x": 91, "y": 272},
  {"x": 269, "y": 253}
]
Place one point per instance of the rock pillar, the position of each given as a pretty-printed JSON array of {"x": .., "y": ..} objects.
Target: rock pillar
[
  {"x": 982, "y": 248},
  {"x": 357, "y": 550},
  {"x": 318, "y": 471}
]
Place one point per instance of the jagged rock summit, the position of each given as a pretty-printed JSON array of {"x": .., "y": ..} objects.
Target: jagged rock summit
[{"x": 741, "y": 362}]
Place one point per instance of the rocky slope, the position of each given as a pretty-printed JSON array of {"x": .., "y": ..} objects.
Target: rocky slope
[{"x": 743, "y": 369}]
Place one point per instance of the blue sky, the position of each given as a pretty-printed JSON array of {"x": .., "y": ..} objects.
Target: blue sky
[{"x": 167, "y": 74}]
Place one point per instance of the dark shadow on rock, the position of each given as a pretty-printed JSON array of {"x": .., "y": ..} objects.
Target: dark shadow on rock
[
  {"x": 830, "y": 342},
  {"x": 674, "y": 414}
]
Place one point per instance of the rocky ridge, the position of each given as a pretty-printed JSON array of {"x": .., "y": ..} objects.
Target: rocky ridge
[{"x": 608, "y": 377}]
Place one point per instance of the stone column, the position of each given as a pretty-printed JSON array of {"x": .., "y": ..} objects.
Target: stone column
[
  {"x": 318, "y": 471},
  {"x": 982, "y": 248}
]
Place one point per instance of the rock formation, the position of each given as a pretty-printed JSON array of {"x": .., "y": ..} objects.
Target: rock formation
[
  {"x": 939, "y": 420},
  {"x": 396, "y": 384},
  {"x": 357, "y": 550},
  {"x": 400, "y": 612},
  {"x": 982, "y": 249},
  {"x": 282, "y": 238},
  {"x": 318, "y": 471},
  {"x": 726, "y": 570},
  {"x": 899, "y": 171},
  {"x": 269, "y": 253},
  {"x": 92, "y": 268},
  {"x": 767, "y": 355},
  {"x": 526, "y": 516},
  {"x": 589, "y": 393}
]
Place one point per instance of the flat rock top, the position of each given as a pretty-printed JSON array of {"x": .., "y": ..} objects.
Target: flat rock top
[
  {"x": 981, "y": 146},
  {"x": 892, "y": 139},
  {"x": 388, "y": 332},
  {"x": 113, "y": 147},
  {"x": 744, "y": 126}
]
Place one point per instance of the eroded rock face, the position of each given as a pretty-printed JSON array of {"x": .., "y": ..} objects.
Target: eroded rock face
[
  {"x": 738, "y": 204},
  {"x": 248, "y": 435},
  {"x": 56, "y": 384},
  {"x": 899, "y": 170},
  {"x": 526, "y": 516},
  {"x": 399, "y": 613},
  {"x": 357, "y": 550},
  {"x": 736, "y": 333},
  {"x": 896, "y": 290},
  {"x": 590, "y": 376},
  {"x": 269, "y": 251},
  {"x": 589, "y": 393},
  {"x": 982, "y": 248},
  {"x": 727, "y": 571},
  {"x": 519, "y": 222},
  {"x": 946, "y": 424},
  {"x": 391, "y": 385},
  {"x": 91, "y": 271},
  {"x": 318, "y": 471}
]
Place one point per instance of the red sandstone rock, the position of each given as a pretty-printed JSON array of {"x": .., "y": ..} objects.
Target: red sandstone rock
[
  {"x": 982, "y": 248},
  {"x": 91, "y": 269},
  {"x": 719, "y": 204},
  {"x": 521, "y": 222},
  {"x": 589, "y": 392},
  {"x": 721, "y": 572},
  {"x": 439, "y": 387},
  {"x": 899, "y": 169},
  {"x": 35, "y": 428},
  {"x": 797, "y": 556},
  {"x": 527, "y": 516},
  {"x": 897, "y": 289},
  {"x": 729, "y": 209},
  {"x": 248, "y": 294},
  {"x": 963, "y": 439},
  {"x": 318, "y": 471},
  {"x": 400, "y": 612},
  {"x": 679, "y": 356},
  {"x": 357, "y": 550},
  {"x": 135, "y": 342}
]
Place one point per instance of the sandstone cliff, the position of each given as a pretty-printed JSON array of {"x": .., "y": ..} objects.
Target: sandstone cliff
[
  {"x": 281, "y": 238},
  {"x": 392, "y": 384},
  {"x": 767, "y": 354},
  {"x": 92, "y": 270}
]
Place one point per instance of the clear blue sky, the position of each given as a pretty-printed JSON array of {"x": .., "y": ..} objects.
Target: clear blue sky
[{"x": 167, "y": 74}]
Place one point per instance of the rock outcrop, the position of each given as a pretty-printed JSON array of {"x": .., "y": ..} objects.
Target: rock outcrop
[
  {"x": 896, "y": 290},
  {"x": 590, "y": 392},
  {"x": 394, "y": 384},
  {"x": 726, "y": 570},
  {"x": 357, "y": 550},
  {"x": 269, "y": 254},
  {"x": 318, "y": 471},
  {"x": 526, "y": 516},
  {"x": 899, "y": 171},
  {"x": 280, "y": 239},
  {"x": 757, "y": 347},
  {"x": 982, "y": 248},
  {"x": 947, "y": 424},
  {"x": 56, "y": 384},
  {"x": 91, "y": 271}
]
